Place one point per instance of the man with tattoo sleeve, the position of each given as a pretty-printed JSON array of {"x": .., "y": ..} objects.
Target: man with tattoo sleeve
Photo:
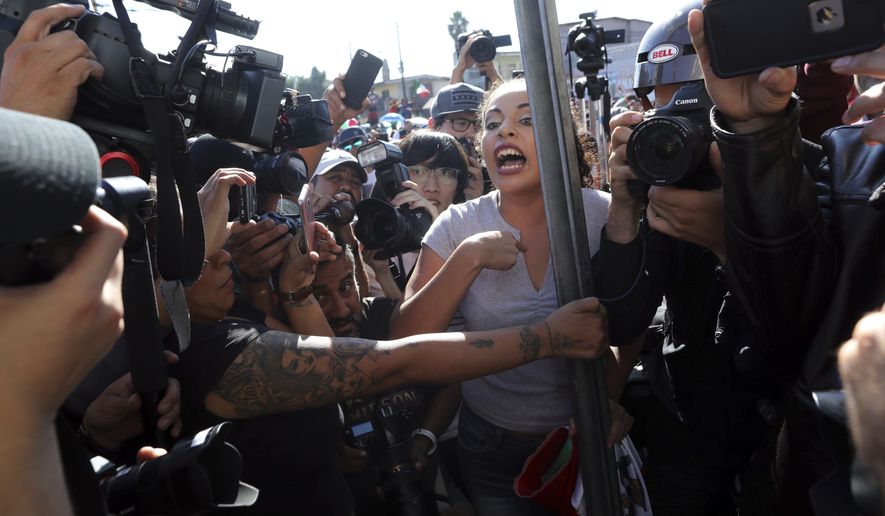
[{"x": 282, "y": 388}]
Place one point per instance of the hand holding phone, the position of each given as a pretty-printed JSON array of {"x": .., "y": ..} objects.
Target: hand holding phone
[
  {"x": 305, "y": 202},
  {"x": 360, "y": 77},
  {"x": 789, "y": 32}
]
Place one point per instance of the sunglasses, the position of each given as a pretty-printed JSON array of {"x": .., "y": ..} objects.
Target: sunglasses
[{"x": 355, "y": 145}]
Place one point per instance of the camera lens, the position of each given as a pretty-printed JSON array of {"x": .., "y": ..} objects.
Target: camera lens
[
  {"x": 482, "y": 49},
  {"x": 666, "y": 146},
  {"x": 664, "y": 150}
]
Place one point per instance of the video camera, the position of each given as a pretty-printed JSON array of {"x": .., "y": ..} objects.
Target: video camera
[
  {"x": 380, "y": 225},
  {"x": 588, "y": 41},
  {"x": 241, "y": 103},
  {"x": 484, "y": 48},
  {"x": 671, "y": 145},
  {"x": 195, "y": 476},
  {"x": 383, "y": 427}
]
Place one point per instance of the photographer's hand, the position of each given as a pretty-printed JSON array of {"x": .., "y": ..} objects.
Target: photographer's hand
[
  {"x": 383, "y": 275},
  {"x": 215, "y": 205},
  {"x": 115, "y": 417},
  {"x": 338, "y": 110},
  {"x": 751, "y": 102},
  {"x": 871, "y": 101},
  {"x": 464, "y": 62},
  {"x": 414, "y": 199},
  {"x": 418, "y": 451},
  {"x": 489, "y": 71},
  {"x": 860, "y": 365},
  {"x": 351, "y": 460},
  {"x": 44, "y": 357},
  {"x": 42, "y": 71},
  {"x": 696, "y": 216},
  {"x": 622, "y": 225},
  {"x": 259, "y": 249},
  {"x": 86, "y": 304},
  {"x": 297, "y": 272}
]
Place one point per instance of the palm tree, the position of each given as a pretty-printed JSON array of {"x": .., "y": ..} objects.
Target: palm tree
[{"x": 457, "y": 26}]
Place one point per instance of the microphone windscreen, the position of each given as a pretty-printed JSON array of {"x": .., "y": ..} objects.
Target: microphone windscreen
[{"x": 49, "y": 173}]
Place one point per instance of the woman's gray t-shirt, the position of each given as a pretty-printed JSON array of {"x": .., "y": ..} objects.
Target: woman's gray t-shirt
[{"x": 534, "y": 397}]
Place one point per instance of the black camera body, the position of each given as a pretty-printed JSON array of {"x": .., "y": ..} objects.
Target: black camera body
[
  {"x": 303, "y": 122},
  {"x": 198, "y": 474},
  {"x": 485, "y": 47},
  {"x": 588, "y": 40},
  {"x": 383, "y": 427},
  {"x": 38, "y": 261},
  {"x": 338, "y": 213},
  {"x": 671, "y": 145},
  {"x": 241, "y": 103},
  {"x": 380, "y": 225}
]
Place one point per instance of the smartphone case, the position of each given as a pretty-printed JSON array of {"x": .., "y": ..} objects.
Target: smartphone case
[
  {"x": 748, "y": 36},
  {"x": 360, "y": 77}
]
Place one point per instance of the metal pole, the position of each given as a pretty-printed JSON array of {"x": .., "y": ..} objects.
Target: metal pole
[
  {"x": 554, "y": 137},
  {"x": 601, "y": 142},
  {"x": 401, "y": 68}
]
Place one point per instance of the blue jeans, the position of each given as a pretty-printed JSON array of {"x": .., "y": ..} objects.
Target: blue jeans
[{"x": 491, "y": 458}]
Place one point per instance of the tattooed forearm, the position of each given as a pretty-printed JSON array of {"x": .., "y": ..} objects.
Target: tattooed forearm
[
  {"x": 280, "y": 372},
  {"x": 482, "y": 343},
  {"x": 530, "y": 344}
]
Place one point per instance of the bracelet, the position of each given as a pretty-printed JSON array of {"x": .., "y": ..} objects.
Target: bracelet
[
  {"x": 95, "y": 447},
  {"x": 294, "y": 297},
  {"x": 428, "y": 434}
]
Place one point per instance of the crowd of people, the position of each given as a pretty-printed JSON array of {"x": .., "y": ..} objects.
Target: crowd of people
[{"x": 736, "y": 310}]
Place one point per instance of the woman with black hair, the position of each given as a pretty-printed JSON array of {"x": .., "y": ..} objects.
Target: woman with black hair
[{"x": 437, "y": 168}]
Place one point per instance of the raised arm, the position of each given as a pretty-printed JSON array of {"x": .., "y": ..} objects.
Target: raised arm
[
  {"x": 437, "y": 286},
  {"x": 280, "y": 372}
]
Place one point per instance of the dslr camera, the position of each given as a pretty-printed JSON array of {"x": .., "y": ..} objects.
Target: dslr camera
[
  {"x": 196, "y": 475},
  {"x": 383, "y": 427},
  {"x": 484, "y": 48},
  {"x": 671, "y": 145},
  {"x": 338, "y": 213},
  {"x": 380, "y": 225}
]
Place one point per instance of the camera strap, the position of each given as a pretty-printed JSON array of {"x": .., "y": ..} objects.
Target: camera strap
[{"x": 180, "y": 245}]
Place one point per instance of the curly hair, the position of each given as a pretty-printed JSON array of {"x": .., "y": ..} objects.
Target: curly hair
[{"x": 585, "y": 144}]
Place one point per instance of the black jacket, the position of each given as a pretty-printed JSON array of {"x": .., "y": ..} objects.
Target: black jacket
[{"x": 806, "y": 262}]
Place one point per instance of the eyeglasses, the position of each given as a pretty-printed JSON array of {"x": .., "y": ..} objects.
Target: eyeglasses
[
  {"x": 445, "y": 175},
  {"x": 355, "y": 145},
  {"x": 462, "y": 124}
]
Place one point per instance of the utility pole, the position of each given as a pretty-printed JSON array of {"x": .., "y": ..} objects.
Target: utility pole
[
  {"x": 401, "y": 68},
  {"x": 569, "y": 248}
]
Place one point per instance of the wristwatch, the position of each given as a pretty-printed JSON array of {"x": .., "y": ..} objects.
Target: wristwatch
[{"x": 296, "y": 297}]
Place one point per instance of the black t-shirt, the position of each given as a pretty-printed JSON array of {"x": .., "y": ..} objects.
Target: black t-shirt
[
  {"x": 288, "y": 457},
  {"x": 402, "y": 410}
]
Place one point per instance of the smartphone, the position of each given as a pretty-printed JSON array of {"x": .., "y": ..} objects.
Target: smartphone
[
  {"x": 360, "y": 77},
  {"x": 748, "y": 36},
  {"x": 305, "y": 204}
]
